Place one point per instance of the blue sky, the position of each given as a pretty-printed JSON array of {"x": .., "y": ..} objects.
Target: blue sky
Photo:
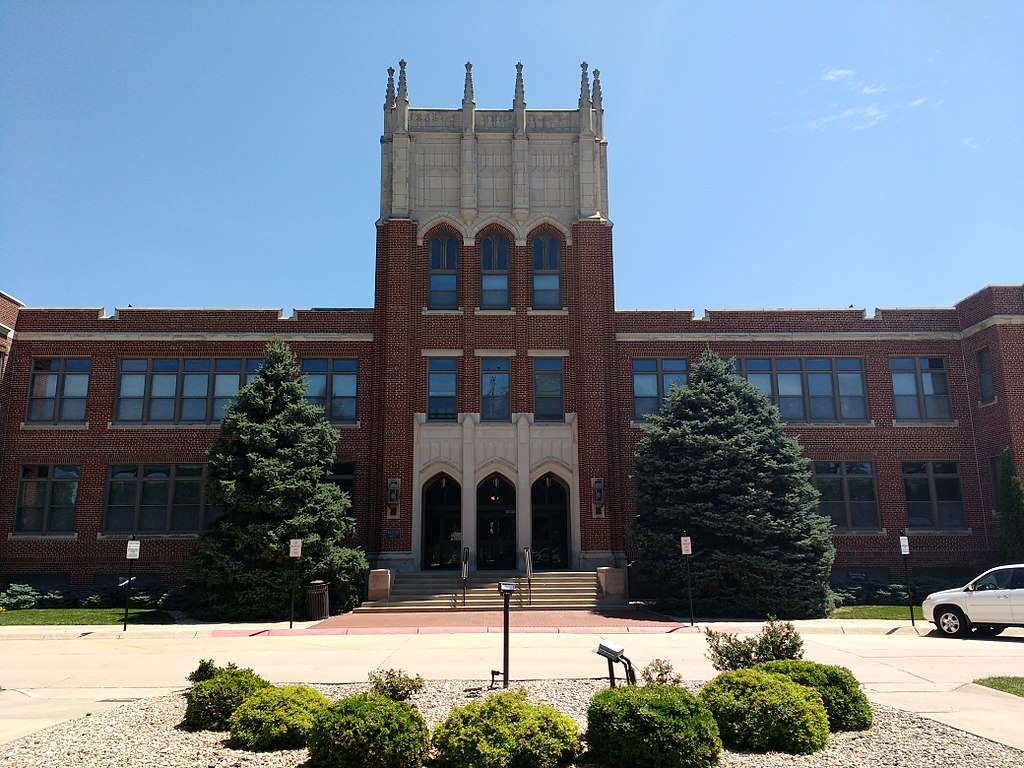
[{"x": 761, "y": 154}]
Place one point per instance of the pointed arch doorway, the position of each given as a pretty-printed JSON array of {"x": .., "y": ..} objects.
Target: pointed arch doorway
[
  {"x": 549, "y": 499},
  {"x": 495, "y": 524},
  {"x": 442, "y": 523}
]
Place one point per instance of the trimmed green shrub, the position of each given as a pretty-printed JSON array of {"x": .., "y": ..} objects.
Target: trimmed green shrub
[
  {"x": 505, "y": 731},
  {"x": 777, "y": 640},
  {"x": 368, "y": 731},
  {"x": 766, "y": 712},
  {"x": 18, "y": 597},
  {"x": 657, "y": 726},
  {"x": 276, "y": 718},
  {"x": 212, "y": 702},
  {"x": 660, "y": 672},
  {"x": 208, "y": 670},
  {"x": 394, "y": 683},
  {"x": 845, "y": 703}
]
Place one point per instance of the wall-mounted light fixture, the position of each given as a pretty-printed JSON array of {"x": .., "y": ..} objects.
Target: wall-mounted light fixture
[
  {"x": 394, "y": 497},
  {"x": 597, "y": 495}
]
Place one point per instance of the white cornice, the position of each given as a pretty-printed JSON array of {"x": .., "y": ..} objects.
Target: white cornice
[{"x": 187, "y": 336}]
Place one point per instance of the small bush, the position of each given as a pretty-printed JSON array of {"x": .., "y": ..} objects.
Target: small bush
[
  {"x": 655, "y": 726},
  {"x": 505, "y": 731},
  {"x": 208, "y": 670},
  {"x": 845, "y": 703},
  {"x": 276, "y": 718},
  {"x": 368, "y": 731},
  {"x": 766, "y": 712},
  {"x": 19, "y": 597},
  {"x": 394, "y": 684},
  {"x": 660, "y": 672},
  {"x": 212, "y": 702},
  {"x": 777, "y": 640}
]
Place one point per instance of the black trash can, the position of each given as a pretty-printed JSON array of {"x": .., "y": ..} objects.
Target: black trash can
[{"x": 317, "y": 602}]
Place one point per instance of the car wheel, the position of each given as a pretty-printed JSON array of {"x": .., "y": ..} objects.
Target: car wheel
[
  {"x": 951, "y": 622},
  {"x": 988, "y": 631}
]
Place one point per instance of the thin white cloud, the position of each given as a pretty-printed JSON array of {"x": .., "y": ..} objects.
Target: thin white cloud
[
  {"x": 917, "y": 102},
  {"x": 968, "y": 142},
  {"x": 868, "y": 90},
  {"x": 858, "y": 118},
  {"x": 838, "y": 74}
]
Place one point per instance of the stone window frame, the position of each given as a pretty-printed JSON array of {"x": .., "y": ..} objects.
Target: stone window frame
[
  {"x": 343, "y": 372},
  {"x": 63, "y": 371},
  {"x": 149, "y": 477},
  {"x": 844, "y": 475},
  {"x": 47, "y": 477}
]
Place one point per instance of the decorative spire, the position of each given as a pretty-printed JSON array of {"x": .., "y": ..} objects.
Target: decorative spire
[
  {"x": 584, "y": 86},
  {"x": 389, "y": 98},
  {"x": 403, "y": 91},
  {"x": 597, "y": 89},
  {"x": 467, "y": 92},
  {"x": 519, "y": 104}
]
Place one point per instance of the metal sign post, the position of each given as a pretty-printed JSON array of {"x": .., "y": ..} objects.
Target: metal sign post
[
  {"x": 131, "y": 555},
  {"x": 905, "y": 551},
  {"x": 294, "y": 552},
  {"x": 687, "y": 547}
]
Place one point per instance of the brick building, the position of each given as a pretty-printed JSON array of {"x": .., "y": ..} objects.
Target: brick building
[{"x": 491, "y": 399}]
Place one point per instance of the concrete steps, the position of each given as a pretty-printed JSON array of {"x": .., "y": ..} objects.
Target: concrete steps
[{"x": 443, "y": 591}]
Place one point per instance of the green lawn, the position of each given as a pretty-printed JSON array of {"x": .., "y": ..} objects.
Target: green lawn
[
  {"x": 1014, "y": 685},
  {"x": 895, "y": 612},
  {"x": 37, "y": 616}
]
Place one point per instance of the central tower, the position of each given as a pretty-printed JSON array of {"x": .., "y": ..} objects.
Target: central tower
[{"x": 494, "y": 301}]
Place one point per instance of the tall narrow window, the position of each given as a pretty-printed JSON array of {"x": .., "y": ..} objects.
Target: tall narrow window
[
  {"x": 652, "y": 381},
  {"x": 332, "y": 385},
  {"x": 444, "y": 263},
  {"x": 920, "y": 389},
  {"x": 58, "y": 388},
  {"x": 985, "y": 383},
  {"x": 847, "y": 491},
  {"x": 933, "y": 493},
  {"x": 494, "y": 273},
  {"x": 46, "y": 499},
  {"x": 548, "y": 400},
  {"x": 547, "y": 276},
  {"x": 441, "y": 389},
  {"x": 494, "y": 390}
]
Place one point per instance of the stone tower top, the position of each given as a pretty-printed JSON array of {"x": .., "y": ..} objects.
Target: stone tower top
[{"x": 471, "y": 167}]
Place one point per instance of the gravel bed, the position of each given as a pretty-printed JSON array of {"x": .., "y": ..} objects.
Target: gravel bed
[{"x": 145, "y": 734}]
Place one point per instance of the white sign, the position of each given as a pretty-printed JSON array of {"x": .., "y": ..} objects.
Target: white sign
[
  {"x": 904, "y": 545},
  {"x": 686, "y": 545},
  {"x": 134, "y": 548},
  {"x": 295, "y": 548}
]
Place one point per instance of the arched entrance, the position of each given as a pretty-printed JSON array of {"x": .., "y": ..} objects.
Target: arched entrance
[
  {"x": 550, "y": 502},
  {"x": 442, "y": 523},
  {"x": 495, "y": 524}
]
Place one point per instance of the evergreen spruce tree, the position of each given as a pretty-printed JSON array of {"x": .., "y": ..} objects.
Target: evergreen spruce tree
[
  {"x": 1011, "y": 511},
  {"x": 715, "y": 464},
  {"x": 268, "y": 470}
]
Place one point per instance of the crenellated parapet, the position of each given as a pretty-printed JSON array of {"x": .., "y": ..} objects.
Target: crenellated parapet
[{"x": 473, "y": 165}]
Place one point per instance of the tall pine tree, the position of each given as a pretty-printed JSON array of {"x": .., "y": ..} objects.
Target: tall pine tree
[
  {"x": 1011, "y": 511},
  {"x": 715, "y": 464},
  {"x": 268, "y": 469}
]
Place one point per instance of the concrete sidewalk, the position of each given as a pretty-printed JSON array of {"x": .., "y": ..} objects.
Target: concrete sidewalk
[{"x": 56, "y": 673}]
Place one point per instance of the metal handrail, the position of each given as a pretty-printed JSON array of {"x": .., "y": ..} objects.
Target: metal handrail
[
  {"x": 528, "y": 563},
  {"x": 465, "y": 573}
]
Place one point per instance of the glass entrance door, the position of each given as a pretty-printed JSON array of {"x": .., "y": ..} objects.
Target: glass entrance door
[
  {"x": 496, "y": 524},
  {"x": 550, "y": 520},
  {"x": 442, "y": 523}
]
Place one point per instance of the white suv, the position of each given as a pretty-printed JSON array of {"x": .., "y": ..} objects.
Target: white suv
[{"x": 988, "y": 604}]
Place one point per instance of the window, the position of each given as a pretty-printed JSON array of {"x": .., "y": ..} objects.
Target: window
[
  {"x": 934, "y": 499},
  {"x": 995, "y": 466},
  {"x": 812, "y": 389},
  {"x": 494, "y": 273},
  {"x": 331, "y": 384},
  {"x": 548, "y": 404},
  {"x": 57, "y": 391},
  {"x": 170, "y": 390},
  {"x": 158, "y": 498},
  {"x": 847, "y": 491},
  {"x": 985, "y": 384},
  {"x": 920, "y": 389},
  {"x": 441, "y": 380},
  {"x": 652, "y": 380},
  {"x": 494, "y": 390},
  {"x": 444, "y": 262},
  {"x": 547, "y": 277},
  {"x": 343, "y": 475},
  {"x": 46, "y": 499}
]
